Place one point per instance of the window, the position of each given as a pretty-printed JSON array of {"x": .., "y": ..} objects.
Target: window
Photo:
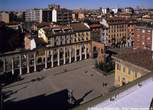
[
  {"x": 143, "y": 31},
  {"x": 148, "y": 38}
]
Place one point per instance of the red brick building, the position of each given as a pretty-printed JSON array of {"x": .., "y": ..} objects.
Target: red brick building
[{"x": 143, "y": 36}]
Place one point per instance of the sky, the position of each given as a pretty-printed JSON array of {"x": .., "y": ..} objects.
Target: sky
[{"x": 73, "y": 4}]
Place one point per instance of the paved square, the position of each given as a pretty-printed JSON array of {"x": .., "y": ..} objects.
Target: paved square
[{"x": 80, "y": 77}]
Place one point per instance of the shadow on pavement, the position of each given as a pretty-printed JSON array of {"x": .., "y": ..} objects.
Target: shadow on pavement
[{"x": 55, "y": 101}]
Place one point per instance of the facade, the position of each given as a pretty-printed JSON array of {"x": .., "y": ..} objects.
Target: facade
[
  {"x": 98, "y": 31},
  {"x": 33, "y": 15},
  {"x": 47, "y": 15},
  {"x": 65, "y": 45},
  {"x": 143, "y": 36},
  {"x": 120, "y": 31},
  {"x": 131, "y": 31},
  {"x": 129, "y": 10},
  {"x": 63, "y": 16},
  {"x": 60, "y": 15},
  {"x": 27, "y": 41},
  {"x": 4, "y": 17},
  {"x": 104, "y": 10},
  {"x": 115, "y": 10},
  {"x": 54, "y": 6},
  {"x": 77, "y": 16},
  {"x": 118, "y": 28},
  {"x": 98, "y": 51},
  {"x": 131, "y": 65}
]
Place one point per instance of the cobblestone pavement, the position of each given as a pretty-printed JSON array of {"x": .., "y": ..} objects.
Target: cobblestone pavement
[{"x": 80, "y": 77}]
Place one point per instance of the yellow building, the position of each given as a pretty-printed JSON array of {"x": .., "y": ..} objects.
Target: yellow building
[{"x": 131, "y": 65}]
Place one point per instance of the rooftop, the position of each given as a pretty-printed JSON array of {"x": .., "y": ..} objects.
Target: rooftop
[
  {"x": 78, "y": 26},
  {"x": 63, "y": 30},
  {"x": 145, "y": 24},
  {"x": 139, "y": 57}
]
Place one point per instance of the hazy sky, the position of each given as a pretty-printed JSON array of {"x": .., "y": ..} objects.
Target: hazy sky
[{"x": 24, "y": 4}]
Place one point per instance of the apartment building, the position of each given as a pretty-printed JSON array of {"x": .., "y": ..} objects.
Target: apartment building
[
  {"x": 60, "y": 15},
  {"x": 46, "y": 15},
  {"x": 120, "y": 31},
  {"x": 33, "y": 15},
  {"x": 118, "y": 28},
  {"x": 143, "y": 35},
  {"x": 65, "y": 44}
]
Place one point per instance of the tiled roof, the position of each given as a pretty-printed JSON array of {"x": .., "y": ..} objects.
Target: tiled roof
[
  {"x": 78, "y": 27},
  {"x": 139, "y": 57}
]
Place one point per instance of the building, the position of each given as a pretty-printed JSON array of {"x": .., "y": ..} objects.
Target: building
[
  {"x": 131, "y": 30},
  {"x": 65, "y": 44},
  {"x": 33, "y": 15},
  {"x": 98, "y": 30},
  {"x": 129, "y": 10},
  {"x": 46, "y": 15},
  {"x": 54, "y": 6},
  {"x": 33, "y": 41},
  {"x": 27, "y": 42},
  {"x": 118, "y": 28},
  {"x": 4, "y": 17},
  {"x": 143, "y": 36},
  {"x": 77, "y": 16},
  {"x": 131, "y": 64},
  {"x": 98, "y": 51},
  {"x": 119, "y": 31},
  {"x": 60, "y": 15},
  {"x": 104, "y": 10},
  {"x": 115, "y": 10}
]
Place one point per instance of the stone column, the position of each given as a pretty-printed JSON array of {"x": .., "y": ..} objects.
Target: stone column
[
  {"x": 75, "y": 56},
  {"x": 64, "y": 59},
  {"x": 20, "y": 65},
  {"x": 35, "y": 67},
  {"x": 4, "y": 65},
  {"x": 80, "y": 52},
  {"x": 52, "y": 55},
  {"x": 58, "y": 57},
  {"x": 28, "y": 66},
  {"x": 85, "y": 51},
  {"x": 45, "y": 59},
  {"x": 70, "y": 55},
  {"x": 12, "y": 61}
]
